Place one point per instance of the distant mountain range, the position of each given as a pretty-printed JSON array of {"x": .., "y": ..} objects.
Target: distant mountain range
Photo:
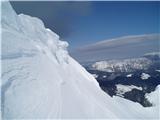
[
  {"x": 126, "y": 65},
  {"x": 148, "y": 61}
]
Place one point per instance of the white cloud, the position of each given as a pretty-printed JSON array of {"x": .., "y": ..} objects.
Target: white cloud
[{"x": 122, "y": 47}]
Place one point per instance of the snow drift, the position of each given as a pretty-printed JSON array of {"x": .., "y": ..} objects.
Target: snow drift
[{"x": 40, "y": 80}]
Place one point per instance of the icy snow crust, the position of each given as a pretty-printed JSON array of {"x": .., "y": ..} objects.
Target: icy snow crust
[{"x": 40, "y": 80}]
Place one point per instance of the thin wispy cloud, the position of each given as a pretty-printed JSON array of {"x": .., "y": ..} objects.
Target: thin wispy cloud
[{"x": 122, "y": 47}]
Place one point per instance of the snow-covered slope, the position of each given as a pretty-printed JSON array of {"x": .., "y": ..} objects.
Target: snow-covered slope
[
  {"x": 40, "y": 80},
  {"x": 154, "y": 97}
]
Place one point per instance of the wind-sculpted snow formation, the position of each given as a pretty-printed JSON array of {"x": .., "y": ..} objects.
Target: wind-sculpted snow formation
[{"x": 40, "y": 80}]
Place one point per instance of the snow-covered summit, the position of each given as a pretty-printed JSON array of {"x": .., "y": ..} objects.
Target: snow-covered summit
[{"x": 41, "y": 81}]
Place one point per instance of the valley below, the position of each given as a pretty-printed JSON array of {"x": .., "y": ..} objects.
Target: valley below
[{"x": 128, "y": 80}]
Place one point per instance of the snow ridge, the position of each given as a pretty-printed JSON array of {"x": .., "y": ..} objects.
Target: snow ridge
[{"x": 39, "y": 79}]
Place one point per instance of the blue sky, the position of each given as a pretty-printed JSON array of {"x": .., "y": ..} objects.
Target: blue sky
[{"x": 82, "y": 23}]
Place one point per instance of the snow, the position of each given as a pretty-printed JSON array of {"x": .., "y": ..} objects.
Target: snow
[
  {"x": 145, "y": 76},
  {"x": 158, "y": 70},
  {"x": 125, "y": 65},
  {"x": 146, "y": 112},
  {"x": 154, "y": 96},
  {"x": 129, "y": 75},
  {"x": 95, "y": 75},
  {"x": 104, "y": 76},
  {"x": 41, "y": 81},
  {"x": 121, "y": 89}
]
